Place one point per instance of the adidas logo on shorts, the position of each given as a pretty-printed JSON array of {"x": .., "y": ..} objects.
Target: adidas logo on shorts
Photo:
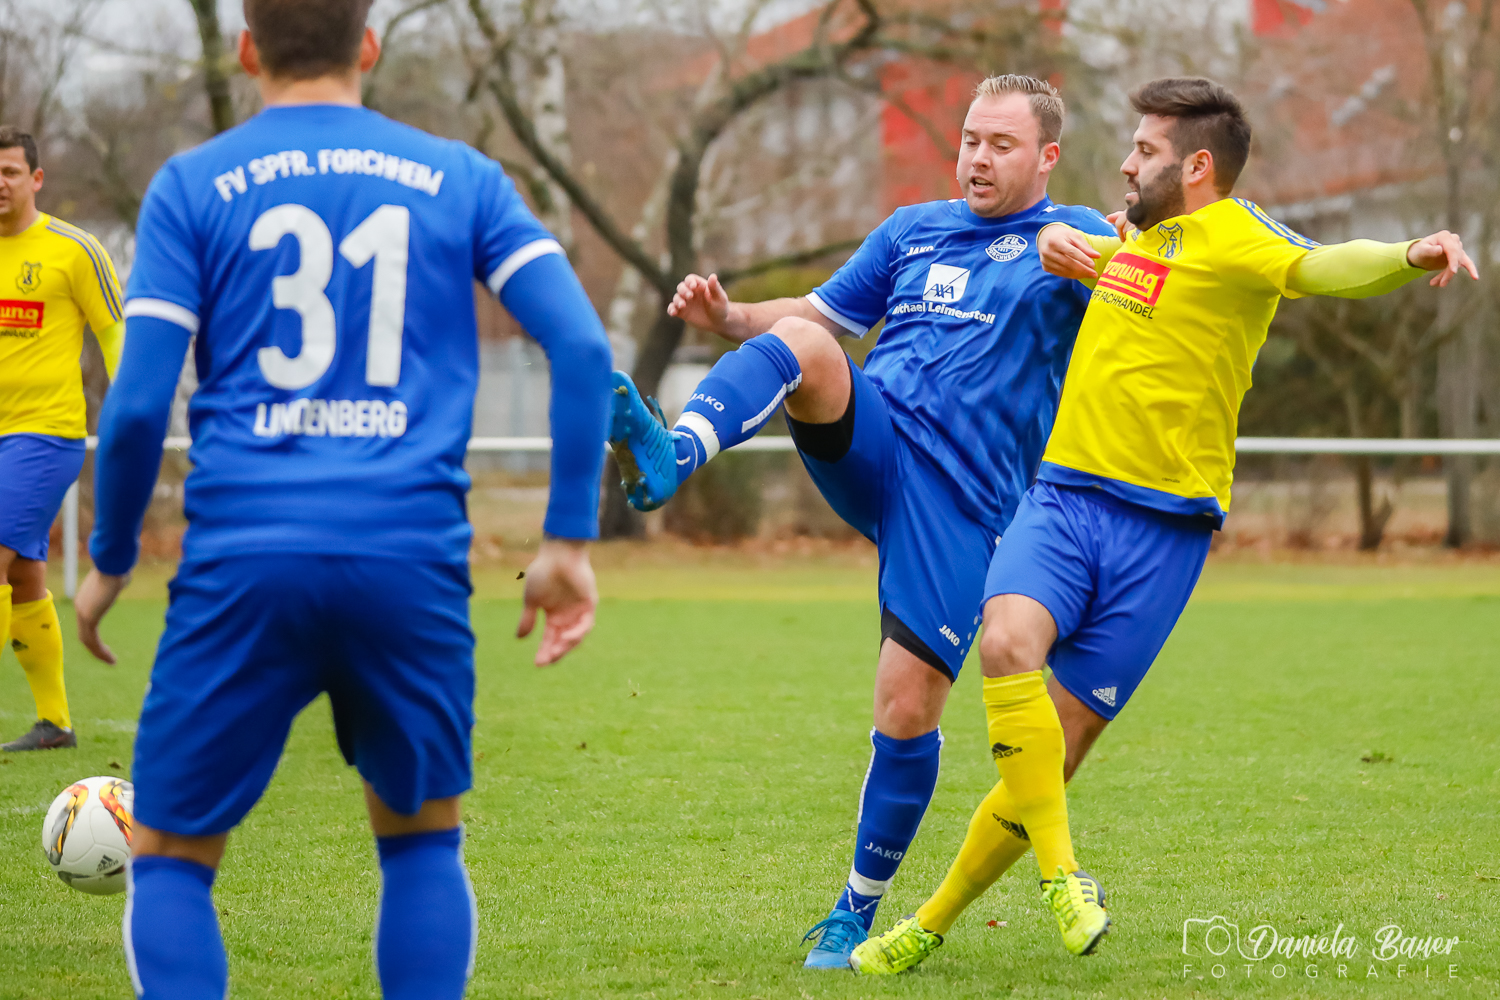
[{"x": 1106, "y": 695}]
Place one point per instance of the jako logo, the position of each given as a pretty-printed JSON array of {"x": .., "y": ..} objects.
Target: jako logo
[
  {"x": 948, "y": 633},
  {"x": 913, "y": 251},
  {"x": 882, "y": 852},
  {"x": 945, "y": 283}
]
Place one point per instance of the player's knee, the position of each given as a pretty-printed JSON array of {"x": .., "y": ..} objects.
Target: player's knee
[
  {"x": 905, "y": 715},
  {"x": 1003, "y": 650},
  {"x": 813, "y": 346}
]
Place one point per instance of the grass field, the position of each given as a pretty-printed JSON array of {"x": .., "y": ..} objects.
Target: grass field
[{"x": 666, "y": 812}]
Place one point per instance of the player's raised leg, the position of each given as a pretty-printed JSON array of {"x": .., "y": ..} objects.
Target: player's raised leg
[{"x": 795, "y": 360}]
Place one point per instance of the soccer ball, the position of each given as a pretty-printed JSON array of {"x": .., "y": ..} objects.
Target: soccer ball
[{"x": 87, "y": 834}]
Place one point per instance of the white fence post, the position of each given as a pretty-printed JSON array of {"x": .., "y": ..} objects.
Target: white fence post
[{"x": 70, "y": 542}]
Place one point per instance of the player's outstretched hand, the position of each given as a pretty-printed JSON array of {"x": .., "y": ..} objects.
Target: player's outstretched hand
[
  {"x": 559, "y": 581},
  {"x": 701, "y": 302},
  {"x": 1066, "y": 253},
  {"x": 96, "y": 595},
  {"x": 1444, "y": 253}
]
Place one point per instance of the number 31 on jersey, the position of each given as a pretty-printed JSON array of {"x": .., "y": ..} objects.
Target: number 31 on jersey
[{"x": 384, "y": 237}]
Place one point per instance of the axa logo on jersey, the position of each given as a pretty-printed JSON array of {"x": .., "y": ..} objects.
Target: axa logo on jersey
[{"x": 945, "y": 283}]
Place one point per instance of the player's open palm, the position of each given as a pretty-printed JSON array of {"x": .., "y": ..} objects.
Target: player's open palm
[
  {"x": 701, "y": 302},
  {"x": 559, "y": 582}
]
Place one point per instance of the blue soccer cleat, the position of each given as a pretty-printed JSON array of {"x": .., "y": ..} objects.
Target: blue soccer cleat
[
  {"x": 837, "y": 936},
  {"x": 643, "y": 446}
]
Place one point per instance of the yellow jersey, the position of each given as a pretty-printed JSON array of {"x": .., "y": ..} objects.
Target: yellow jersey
[
  {"x": 1150, "y": 405},
  {"x": 54, "y": 279}
]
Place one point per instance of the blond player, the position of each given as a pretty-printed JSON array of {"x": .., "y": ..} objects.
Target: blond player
[
  {"x": 55, "y": 280},
  {"x": 1107, "y": 546}
]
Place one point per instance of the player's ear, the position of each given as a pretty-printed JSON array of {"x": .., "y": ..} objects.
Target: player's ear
[
  {"x": 37, "y": 176},
  {"x": 1051, "y": 153},
  {"x": 369, "y": 51},
  {"x": 1198, "y": 168},
  {"x": 249, "y": 55}
]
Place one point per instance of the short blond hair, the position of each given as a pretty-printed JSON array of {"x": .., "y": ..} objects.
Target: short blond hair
[{"x": 1046, "y": 103}]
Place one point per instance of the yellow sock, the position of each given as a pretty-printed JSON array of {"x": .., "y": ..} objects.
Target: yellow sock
[
  {"x": 1026, "y": 739},
  {"x": 995, "y": 841},
  {"x": 36, "y": 637},
  {"x": 5, "y": 590}
]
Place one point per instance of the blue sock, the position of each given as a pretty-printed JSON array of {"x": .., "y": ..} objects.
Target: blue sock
[
  {"x": 426, "y": 926},
  {"x": 898, "y": 787},
  {"x": 734, "y": 400},
  {"x": 171, "y": 931}
]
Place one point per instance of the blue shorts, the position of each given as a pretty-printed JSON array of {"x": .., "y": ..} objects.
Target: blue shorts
[
  {"x": 251, "y": 640},
  {"x": 35, "y": 473},
  {"x": 1115, "y": 577},
  {"x": 933, "y": 554}
]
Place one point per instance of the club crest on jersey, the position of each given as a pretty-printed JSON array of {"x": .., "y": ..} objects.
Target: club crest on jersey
[
  {"x": 1171, "y": 237},
  {"x": 30, "y": 278},
  {"x": 1135, "y": 277},
  {"x": 945, "y": 283},
  {"x": 1008, "y": 247}
]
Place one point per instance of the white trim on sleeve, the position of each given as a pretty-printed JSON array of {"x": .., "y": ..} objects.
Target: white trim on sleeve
[
  {"x": 519, "y": 259},
  {"x": 162, "y": 309},
  {"x": 836, "y": 316}
]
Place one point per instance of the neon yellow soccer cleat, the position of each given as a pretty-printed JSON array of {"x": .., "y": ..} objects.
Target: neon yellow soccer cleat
[
  {"x": 1077, "y": 901},
  {"x": 898, "y": 949}
]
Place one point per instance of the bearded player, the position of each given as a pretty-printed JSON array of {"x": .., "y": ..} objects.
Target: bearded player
[
  {"x": 1107, "y": 546},
  {"x": 325, "y": 257},
  {"x": 55, "y": 282},
  {"x": 926, "y": 451}
]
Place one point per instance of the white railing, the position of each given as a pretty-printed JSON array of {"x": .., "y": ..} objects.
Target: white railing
[{"x": 781, "y": 442}]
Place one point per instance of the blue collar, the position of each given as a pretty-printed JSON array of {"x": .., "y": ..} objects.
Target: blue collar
[{"x": 1025, "y": 215}]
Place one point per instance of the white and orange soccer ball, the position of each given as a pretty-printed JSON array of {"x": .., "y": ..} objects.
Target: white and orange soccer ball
[{"x": 87, "y": 834}]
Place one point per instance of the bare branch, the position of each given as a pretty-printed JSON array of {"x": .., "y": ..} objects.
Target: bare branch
[
  {"x": 788, "y": 260},
  {"x": 501, "y": 86},
  {"x": 386, "y": 38}
]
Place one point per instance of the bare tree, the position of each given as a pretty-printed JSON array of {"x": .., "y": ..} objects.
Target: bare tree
[
  {"x": 1456, "y": 36},
  {"x": 215, "y": 75}
]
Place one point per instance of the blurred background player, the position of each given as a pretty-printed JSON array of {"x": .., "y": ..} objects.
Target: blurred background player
[
  {"x": 926, "y": 451},
  {"x": 324, "y": 257},
  {"x": 1107, "y": 546},
  {"x": 55, "y": 280}
]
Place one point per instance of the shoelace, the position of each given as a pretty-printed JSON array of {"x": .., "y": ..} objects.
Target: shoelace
[
  {"x": 1069, "y": 905},
  {"x": 836, "y": 934},
  {"x": 904, "y": 945}
]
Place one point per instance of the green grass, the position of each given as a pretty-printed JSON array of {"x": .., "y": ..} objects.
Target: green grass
[{"x": 665, "y": 813}]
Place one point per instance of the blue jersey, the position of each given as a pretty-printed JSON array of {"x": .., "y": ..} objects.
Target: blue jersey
[
  {"x": 325, "y": 257},
  {"x": 976, "y": 340}
]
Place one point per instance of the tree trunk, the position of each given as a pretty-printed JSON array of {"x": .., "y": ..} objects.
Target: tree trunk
[
  {"x": 1372, "y": 521},
  {"x": 656, "y": 353},
  {"x": 616, "y": 517},
  {"x": 547, "y": 87},
  {"x": 1457, "y": 392},
  {"x": 215, "y": 80}
]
